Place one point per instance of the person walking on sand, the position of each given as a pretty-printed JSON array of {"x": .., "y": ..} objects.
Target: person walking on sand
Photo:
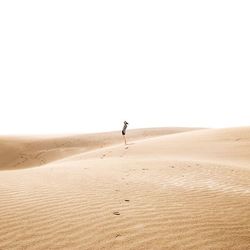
[{"x": 124, "y": 132}]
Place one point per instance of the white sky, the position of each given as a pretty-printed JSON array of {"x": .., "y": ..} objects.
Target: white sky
[{"x": 86, "y": 66}]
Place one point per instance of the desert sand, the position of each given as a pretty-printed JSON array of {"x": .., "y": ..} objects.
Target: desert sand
[{"x": 170, "y": 188}]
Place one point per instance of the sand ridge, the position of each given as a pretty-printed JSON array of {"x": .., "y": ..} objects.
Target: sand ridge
[
  {"x": 30, "y": 151},
  {"x": 187, "y": 190}
]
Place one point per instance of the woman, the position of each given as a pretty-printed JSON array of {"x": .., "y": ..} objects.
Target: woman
[{"x": 124, "y": 131}]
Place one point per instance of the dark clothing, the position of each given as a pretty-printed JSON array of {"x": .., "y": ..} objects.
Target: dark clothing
[{"x": 124, "y": 128}]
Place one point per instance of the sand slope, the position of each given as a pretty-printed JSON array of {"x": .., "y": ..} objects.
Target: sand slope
[
  {"x": 168, "y": 189},
  {"x": 21, "y": 152}
]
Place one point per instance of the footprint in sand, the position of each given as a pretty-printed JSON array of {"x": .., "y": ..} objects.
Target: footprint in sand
[
  {"x": 124, "y": 152},
  {"x": 103, "y": 156}
]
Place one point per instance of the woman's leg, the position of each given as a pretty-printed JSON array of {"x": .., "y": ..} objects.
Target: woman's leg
[{"x": 125, "y": 139}]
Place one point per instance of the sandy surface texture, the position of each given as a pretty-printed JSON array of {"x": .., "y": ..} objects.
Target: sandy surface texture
[{"x": 169, "y": 188}]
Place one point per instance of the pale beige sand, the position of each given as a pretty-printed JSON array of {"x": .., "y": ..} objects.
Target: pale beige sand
[{"x": 169, "y": 189}]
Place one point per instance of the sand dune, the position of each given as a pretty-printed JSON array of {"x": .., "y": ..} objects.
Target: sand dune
[
  {"x": 20, "y": 152},
  {"x": 168, "y": 189}
]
